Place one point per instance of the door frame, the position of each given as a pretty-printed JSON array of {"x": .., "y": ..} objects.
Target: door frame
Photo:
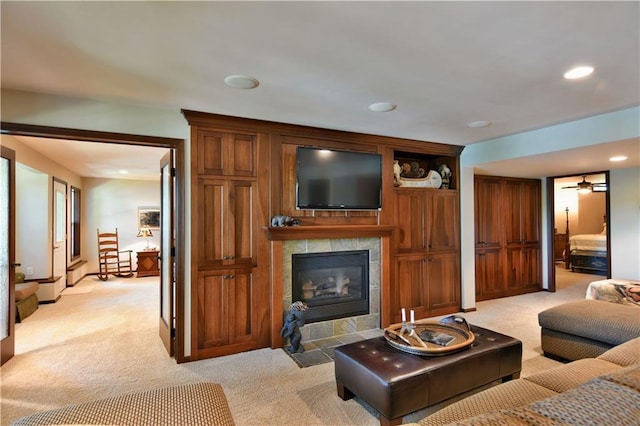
[
  {"x": 178, "y": 146},
  {"x": 54, "y": 212},
  {"x": 550, "y": 183},
  {"x": 7, "y": 345}
]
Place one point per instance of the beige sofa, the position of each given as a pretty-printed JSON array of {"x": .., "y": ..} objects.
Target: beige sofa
[
  {"x": 603, "y": 390},
  {"x": 586, "y": 328},
  {"x": 190, "y": 404}
]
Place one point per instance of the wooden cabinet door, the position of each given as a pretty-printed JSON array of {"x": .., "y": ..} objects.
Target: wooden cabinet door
[
  {"x": 410, "y": 219},
  {"x": 443, "y": 282},
  {"x": 240, "y": 224},
  {"x": 521, "y": 203},
  {"x": 226, "y": 220},
  {"x": 530, "y": 212},
  {"x": 512, "y": 221},
  {"x": 211, "y": 204},
  {"x": 442, "y": 221},
  {"x": 488, "y": 212},
  {"x": 489, "y": 276},
  {"x": 411, "y": 280},
  {"x": 531, "y": 272},
  {"x": 523, "y": 268},
  {"x": 226, "y": 310},
  {"x": 225, "y": 154}
]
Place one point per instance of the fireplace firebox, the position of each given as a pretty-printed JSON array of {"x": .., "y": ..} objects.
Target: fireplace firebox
[{"x": 332, "y": 284}]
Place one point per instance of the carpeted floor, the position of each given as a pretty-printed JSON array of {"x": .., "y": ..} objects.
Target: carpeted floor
[{"x": 105, "y": 342}]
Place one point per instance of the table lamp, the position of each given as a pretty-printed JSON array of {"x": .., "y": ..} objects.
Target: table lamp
[{"x": 145, "y": 232}]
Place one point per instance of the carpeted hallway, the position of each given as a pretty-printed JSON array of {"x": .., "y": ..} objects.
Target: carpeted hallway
[{"x": 104, "y": 342}]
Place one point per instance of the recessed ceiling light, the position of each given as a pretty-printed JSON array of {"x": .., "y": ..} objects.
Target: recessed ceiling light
[
  {"x": 123, "y": 172},
  {"x": 618, "y": 158},
  {"x": 578, "y": 72},
  {"x": 241, "y": 81},
  {"x": 382, "y": 107},
  {"x": 481, "y": 123}
]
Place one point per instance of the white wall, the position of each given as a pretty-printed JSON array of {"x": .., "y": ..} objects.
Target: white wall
[
  {"x": 108, "y": 204},
  {"x": 33, "y": 206},
  {"x": 625, "y": 223},
  {"x": 33, "y": 210}
]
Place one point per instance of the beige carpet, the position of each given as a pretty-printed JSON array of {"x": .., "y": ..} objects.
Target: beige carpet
[
  {"x": 105, "y": 343},
  {"x": 82, "y": 288}
]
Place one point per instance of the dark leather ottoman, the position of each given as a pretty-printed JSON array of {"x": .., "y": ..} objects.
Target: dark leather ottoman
[{"x": 396, "y": 383}]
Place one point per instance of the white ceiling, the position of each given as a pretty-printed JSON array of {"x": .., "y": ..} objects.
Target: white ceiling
[{"x": 444, "y": 64}]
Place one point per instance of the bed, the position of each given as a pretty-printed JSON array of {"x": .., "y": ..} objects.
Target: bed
[{"x": 588, "y": 252}]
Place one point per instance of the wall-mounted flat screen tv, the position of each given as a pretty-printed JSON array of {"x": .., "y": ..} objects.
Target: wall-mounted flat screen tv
[{"x": 338, "y": 180}]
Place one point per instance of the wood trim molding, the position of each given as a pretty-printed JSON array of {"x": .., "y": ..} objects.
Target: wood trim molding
[{"x": 327, "y": 232}]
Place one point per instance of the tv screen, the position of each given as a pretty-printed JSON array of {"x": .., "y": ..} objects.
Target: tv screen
[{"x": 338, "y": 180}]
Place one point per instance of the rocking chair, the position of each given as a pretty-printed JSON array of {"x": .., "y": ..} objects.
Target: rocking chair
[{"x": 111, "y": 259}]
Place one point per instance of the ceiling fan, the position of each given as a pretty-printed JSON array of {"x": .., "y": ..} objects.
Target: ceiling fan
[{"x": 585, "y": 186}]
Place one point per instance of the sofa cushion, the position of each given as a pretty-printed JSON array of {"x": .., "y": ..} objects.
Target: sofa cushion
[
  {"x": 569, "y": 376},
  {"x": 196, "y": 403},
  {"x": 509, "y": 394},
  {"x": 625, "y": 354},
  {"x": 612, "y": 399},
  {"x": 593, "y": 319}
]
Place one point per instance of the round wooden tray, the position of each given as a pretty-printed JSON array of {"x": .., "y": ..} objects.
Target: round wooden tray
[{"x": 452, "y": 326}]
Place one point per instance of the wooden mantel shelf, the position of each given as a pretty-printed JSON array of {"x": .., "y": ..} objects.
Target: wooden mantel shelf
[{"x": 327, "y": 232}]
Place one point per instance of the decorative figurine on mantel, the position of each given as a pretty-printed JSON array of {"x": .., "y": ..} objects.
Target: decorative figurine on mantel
[
  {"x": 397, "y": 169},
  {"x": 445, "y": 172},
  {"x": 291, "y": 328}
]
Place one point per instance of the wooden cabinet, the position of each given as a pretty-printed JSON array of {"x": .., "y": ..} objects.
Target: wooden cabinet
[
  {"x": 230, "y": 297},
  {"x": 148, "y": 263},
  {"x": 427, "y": 263},
  {"x": 222, "y": 153},
  {"x": 224, "y": 311},
  {"x": 427, "y": 220},
  {"x": 507, "y": 236}
]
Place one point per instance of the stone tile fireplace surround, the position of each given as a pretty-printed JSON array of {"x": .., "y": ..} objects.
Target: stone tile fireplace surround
[
  {"x": 289, "y": 240},
  {"x": 337, "y": 327}
]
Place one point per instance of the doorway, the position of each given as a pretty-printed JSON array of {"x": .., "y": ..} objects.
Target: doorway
[
  {"x": 177, "y": 147},
  {"x": 578, "y": 225}
]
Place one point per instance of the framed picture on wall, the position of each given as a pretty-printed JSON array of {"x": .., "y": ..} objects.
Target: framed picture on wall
[{"x": 149, "y": 217}]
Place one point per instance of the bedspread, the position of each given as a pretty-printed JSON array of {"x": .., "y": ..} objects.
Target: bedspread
[{"x": 591, "y": 242}]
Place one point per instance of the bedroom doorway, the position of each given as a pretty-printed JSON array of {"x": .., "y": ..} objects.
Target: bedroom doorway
[
  {"x": 578, "y": 225},
  {"x": 177, "y": 146}
]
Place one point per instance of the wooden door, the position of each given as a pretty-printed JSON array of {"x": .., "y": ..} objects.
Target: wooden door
[
  {"x": 7, "y": 254},
  {"x": 166, "y": 325}
]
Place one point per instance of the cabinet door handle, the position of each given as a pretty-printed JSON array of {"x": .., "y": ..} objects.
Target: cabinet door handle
[
  {"x": 228, "y": 277},
  {"x": 227, "y": 257}
]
